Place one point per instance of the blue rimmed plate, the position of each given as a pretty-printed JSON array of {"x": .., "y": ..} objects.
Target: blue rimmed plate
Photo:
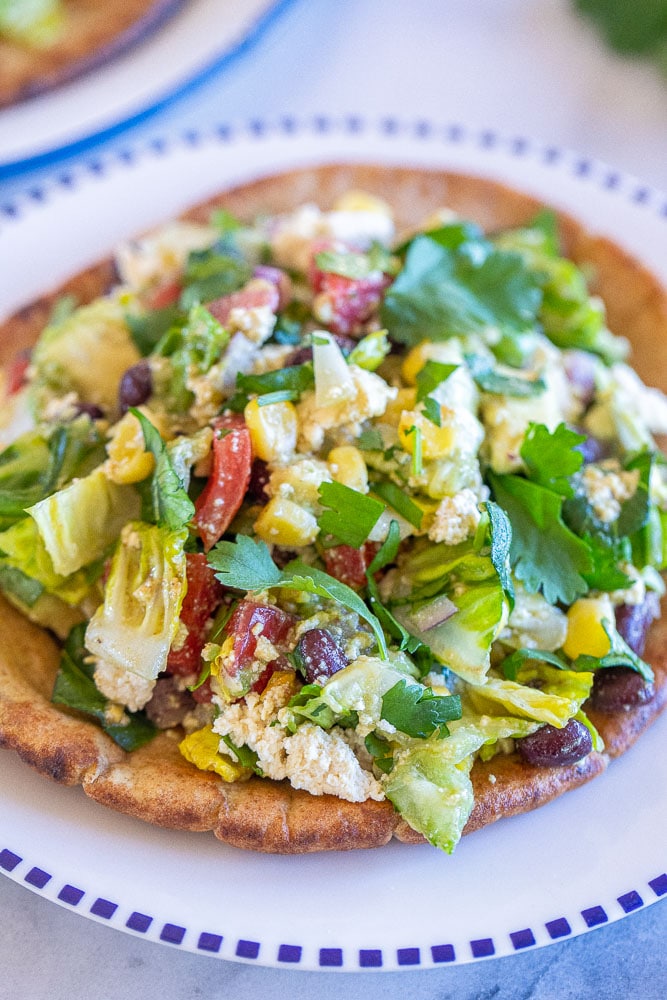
[
  {"x": 594, "y": 856},
  {"x": 166, "y": 58}
]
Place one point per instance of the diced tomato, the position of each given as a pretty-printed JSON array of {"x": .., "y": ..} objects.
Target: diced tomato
[
  {"x": 349, "y": 565},
  {"x": 226, "y": 486},
  {"x": 280, "y": 663},
  {"x": 203, "y": 596},
  {"x": 16, "y": 371},
  {"x": 165, "y": 295},
  {"x": 343, "y": 304},
  {"x": 250, "y": 621},
  {"x": 255, "y": 294}
]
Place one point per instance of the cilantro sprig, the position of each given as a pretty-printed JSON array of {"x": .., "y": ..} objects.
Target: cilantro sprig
[
  {"x": 349, "y": 516},
  {"x": 246, "y": 564},
  {"x": 165, "y": 502},
  {"x": 416, "y": 711}
]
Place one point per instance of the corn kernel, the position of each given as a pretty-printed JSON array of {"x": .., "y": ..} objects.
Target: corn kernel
[
  {"x": 348, "y": 467},
  {"x": 273, "y": 430},
  {"x": 585, "y": 633},
  {"x": 405, "y": 399},
  {"x": 283, "y": 522},
  {"x": 435, "y": 441},
  {"x": 361, "y": 201},
  {"x": 129, "y": 462}
]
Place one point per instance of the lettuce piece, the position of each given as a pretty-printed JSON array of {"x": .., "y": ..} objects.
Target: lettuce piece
[
  {"x": 24, "y": 550},
  {"x": 541, "y": 692},
  {"x": 429, "y": 783},
  {"x": 74, "y": 686},
  {"x": 463, "y": 642},
  {"x": 433, "y": 795},
  {"x": 41, "y": 461},
  {"x": 135, "y": 626},
  {"x": 359, "y": 688},
  {"x": 570, "y": 316},
  {"x": 87, "y": 354},
  {"x": 191, "y": 350},
  {"x": 78, "y": 523}
]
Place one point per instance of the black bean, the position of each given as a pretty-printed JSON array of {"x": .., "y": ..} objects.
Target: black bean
[
  {"x": 90, "y": 409},
  {"x": 136, "y": 386},
  {"x": 633, "y": 620},
  {"x": 618, "y": 689},
  {"x": 169, "y": 705},
  {"x": 259, "y": 480},
  {"x": 552, "y": 747},
  {"x": 320, "y": 654}
]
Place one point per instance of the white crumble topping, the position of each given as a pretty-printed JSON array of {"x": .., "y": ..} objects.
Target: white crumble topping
[
  {"x": 162, "y": 254},
  {"x": 606, "y": 489},
  {"x": 371, "y": 396},
  {"x": 455, "y": 519},
  {"x": 123, "y": 686},
  {"x": 317, "y": 760}
]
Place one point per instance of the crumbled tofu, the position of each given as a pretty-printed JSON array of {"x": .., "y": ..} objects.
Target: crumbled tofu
[
  {"x": 371, "y": 396},
  {"x": 317, "y": 760},
  {"x": 122, "y": 686},
  {"x": 607, "y": 488},
  {"x": 162, "y": 254},
  {"x": 455, "y": 519},
  {"x": 293, "y": 236},
  {"x": 256, "y": 322}
]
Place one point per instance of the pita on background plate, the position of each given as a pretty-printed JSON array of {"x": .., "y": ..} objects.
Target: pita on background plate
[
  {"x": 91, "y": 33},
  {"x": 155, "y": 783}
]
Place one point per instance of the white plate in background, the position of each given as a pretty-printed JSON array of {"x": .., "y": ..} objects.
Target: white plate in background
[{"x": 197, "y": 40}]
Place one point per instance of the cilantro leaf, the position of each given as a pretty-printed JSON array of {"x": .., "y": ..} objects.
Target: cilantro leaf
[
  {"x": 209, "y": 274},
  {"x": 513, "y": 663},
  {"x": 149, "y": 328},
  {"x": 380, "y": 750},
  {"x": 351, "y": 516},
  {"x": 635, "y": 511},
  {"x": 399, "y": 501},
  {"x": 443, "y": 292},
  {"x": 295, "y": 378},
  {"x": 299, "y": 576},
  {"x": 245, "y": 756},
  {"x": 416, "y": 711},
  {"x": 169, "y": 504},
  {"x": 605, "y": 557},
  {"x": 552, "y": 457},
  {"x": 432, "y": 410},
  {"x": 433, "y": 374},
  {"x": 370, "y": 440},
  {"x": 545, "y": 554},
  {"x": 247, "y": 565},
  {"x": 244, "y": 564},
  {"x": 356, "y": 265},
  {"x": 385, "y": 555}
]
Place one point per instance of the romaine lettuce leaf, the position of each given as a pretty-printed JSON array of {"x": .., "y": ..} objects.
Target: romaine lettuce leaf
[
  {"x": 78, "y": 523},
  {"x": 135, "y": 626}
]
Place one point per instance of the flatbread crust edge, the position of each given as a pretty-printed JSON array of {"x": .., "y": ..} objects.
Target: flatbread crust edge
[
  {"x": 155, "y": 783},
  {"x": 94, "y": 33}
]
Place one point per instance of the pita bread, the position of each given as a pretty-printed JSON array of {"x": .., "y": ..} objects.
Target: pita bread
[
  {"x": 155, "y": 783},
  {"x": 92, "y": 34}
]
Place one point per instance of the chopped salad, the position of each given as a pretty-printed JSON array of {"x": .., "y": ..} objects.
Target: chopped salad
[{"x": 336, "y": 508}]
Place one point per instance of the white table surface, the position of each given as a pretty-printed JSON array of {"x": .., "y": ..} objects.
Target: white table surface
[{"x": 519, "y": 68}]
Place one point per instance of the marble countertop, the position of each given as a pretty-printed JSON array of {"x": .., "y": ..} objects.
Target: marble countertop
[{"x": 517, "y": 69}]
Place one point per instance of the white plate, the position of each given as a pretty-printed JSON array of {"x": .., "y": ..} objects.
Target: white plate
[
  {"x": 198, "y": 40},
  {"x": 592, "y": 857}
]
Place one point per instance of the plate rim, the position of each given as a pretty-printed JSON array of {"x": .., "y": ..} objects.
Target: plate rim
[
  {"x": 238, "y": 47},
  {"x": 32, "y": 873}
]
